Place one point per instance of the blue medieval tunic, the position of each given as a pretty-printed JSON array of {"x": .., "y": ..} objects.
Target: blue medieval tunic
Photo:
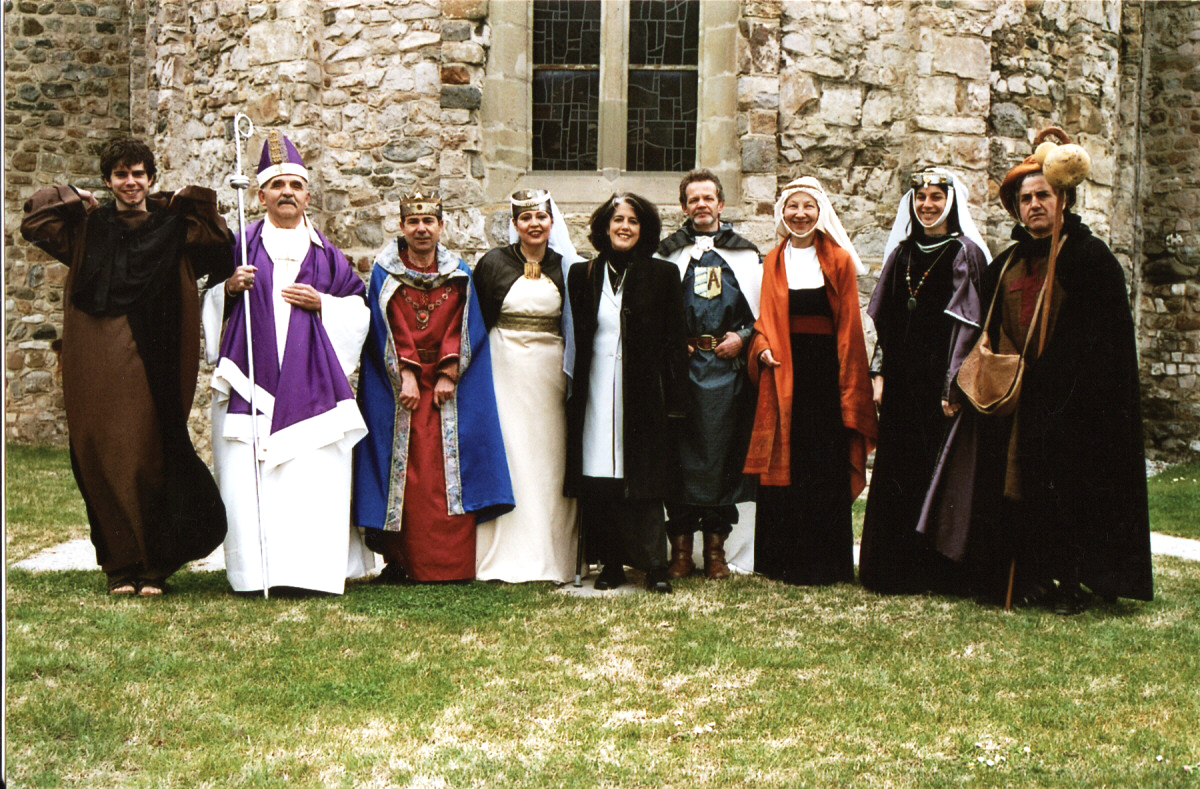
[{"x": 721, "y": 277}]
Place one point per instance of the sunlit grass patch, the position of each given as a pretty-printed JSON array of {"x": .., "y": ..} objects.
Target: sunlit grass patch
[
  {"x": 42, "y": 505},
  {"x": 1175, "y": 500},
  {"x": 746, "y": 682}
]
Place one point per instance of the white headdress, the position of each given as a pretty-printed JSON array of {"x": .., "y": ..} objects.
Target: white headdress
[
  {"x": 559, "y": 235},
  {"x": 827, "y": 220},
  {"x": 956, "y": 200}
]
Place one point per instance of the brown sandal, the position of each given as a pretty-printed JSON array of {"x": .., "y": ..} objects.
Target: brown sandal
[
  {"x": 123, "y": 588},
  {"x": 150, "y": 589}
]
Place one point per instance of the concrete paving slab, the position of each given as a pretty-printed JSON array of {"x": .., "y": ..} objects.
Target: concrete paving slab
[{"x": 80, "y": 555}]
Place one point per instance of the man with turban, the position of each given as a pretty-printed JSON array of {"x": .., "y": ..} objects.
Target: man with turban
[{"x": 1066, "y": 472}]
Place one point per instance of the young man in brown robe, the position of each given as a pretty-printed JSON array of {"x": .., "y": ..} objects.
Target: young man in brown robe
[{"x": 131, "y": 349}]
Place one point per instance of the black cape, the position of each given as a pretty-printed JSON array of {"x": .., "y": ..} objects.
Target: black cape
[{"x": 1079, "y": 434}]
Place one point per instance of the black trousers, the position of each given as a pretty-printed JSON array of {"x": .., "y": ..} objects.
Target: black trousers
[
  {"x": 708, "y": 518},
  {"x": 619, "y": 530}
]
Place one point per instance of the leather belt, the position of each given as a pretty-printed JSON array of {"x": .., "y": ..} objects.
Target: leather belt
[
  {"x": 427, "y": 356},
  {"x": 810, "y": 324},
  {"x": 704, "y": 343}
]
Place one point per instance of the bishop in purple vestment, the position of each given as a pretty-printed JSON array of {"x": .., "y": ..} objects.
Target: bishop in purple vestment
[{"x": 308, "y": 320}]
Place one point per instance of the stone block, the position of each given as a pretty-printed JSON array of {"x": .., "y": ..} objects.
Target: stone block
[
  {"x": 457, "y": 30},
  {"x": 25, "y": 161},
  {"x": 841, "y": 105},
  {"x": 961, "y": 55},
  {"x": 57, "y": 90},
  {"x": 1009, "y": 120},
  {"x": 758, "y": 93},
  {"x": 462, "y": 52},
  {"x": 413, "y": 40},
  {"x": 369, "y": 234},
  {"x": 950, "y": 125},
  {"x": 758, "y": 187},
  {"x": 878, "y": 109},
  {"x": 461, "y": 97},
  {"x": 455, "y": 75},
  {"x": 759, "y": 155},
  {"x": 798, "y": 43},
  {"x": 453, "y": 164},
  {"x": 937, "y": 95},
  {"x": 408, "y": 149},
  {"x": 796, "y": 91},
  {"x": 465, "y": 9},
  {"x": 37, "y": 381},
  {"x": 763, "y": 40},
  {"x": 763, "y": 122},
  {"x": 824, "y": 66}
]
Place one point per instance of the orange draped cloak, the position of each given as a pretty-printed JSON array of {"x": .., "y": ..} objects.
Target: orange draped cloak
[{"x": 770, "y": 442}]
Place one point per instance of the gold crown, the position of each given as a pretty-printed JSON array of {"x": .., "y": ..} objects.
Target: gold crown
[
  {"x": 526, "y": 199},
  {"x": 418, "y": 202},
  {"x": 930, "y": 178}
]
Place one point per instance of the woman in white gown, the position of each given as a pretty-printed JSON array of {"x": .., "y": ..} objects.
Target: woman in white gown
[{"x": 521, "y": 289}]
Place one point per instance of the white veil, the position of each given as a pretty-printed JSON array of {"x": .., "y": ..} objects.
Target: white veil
[{"x": 958, "y": 202}]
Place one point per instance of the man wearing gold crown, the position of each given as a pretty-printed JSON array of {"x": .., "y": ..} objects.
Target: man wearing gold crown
[
  {"x": 308, "y": 322},
  {"x": 1066, "y": 472},
  {"x": 433, "y": 464}
]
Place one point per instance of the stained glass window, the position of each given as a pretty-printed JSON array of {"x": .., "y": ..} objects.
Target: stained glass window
[
  {"x": 664, "y": 32},
  {"x": 662, "y": 120},
  {"x": 663, "y": 54},
  {"x": 656, "y": 66},
  {"x": 566, "y": 84}
]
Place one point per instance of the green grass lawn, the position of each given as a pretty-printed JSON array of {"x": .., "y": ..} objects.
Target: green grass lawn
[
  {"x": 1175, "y": 501},
  {"x": 740, "y": 683}
]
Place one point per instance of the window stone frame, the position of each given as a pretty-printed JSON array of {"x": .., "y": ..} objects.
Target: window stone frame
[{"x": 506, "y": 110}]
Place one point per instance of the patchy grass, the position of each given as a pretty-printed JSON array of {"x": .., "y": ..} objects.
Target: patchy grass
[
  {"x": 740, "y": 683},
  {"x": 42, "y": 505},
  {"x": 1175, "y": 500},
  {"x": 747, "y": 682}
]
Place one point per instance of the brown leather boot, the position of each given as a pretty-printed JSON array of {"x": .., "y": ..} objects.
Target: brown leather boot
[
  {"x": 714, "y": 556},
  {"x": 681, "y": 557}
]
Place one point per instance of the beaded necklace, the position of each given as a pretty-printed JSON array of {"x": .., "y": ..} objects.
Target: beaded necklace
[{"x": 912, "y": 292}]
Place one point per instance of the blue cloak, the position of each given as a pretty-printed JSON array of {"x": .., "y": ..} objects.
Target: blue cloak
[{"x": 477, "y": 477}]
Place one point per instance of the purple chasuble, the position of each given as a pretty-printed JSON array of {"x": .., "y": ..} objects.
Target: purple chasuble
[{"x": 310, "y": 380}]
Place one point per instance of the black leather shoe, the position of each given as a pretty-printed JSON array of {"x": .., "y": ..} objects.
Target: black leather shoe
[
  {"x": 612, "y": 576},
  {"x": 656, "y": 581},
  {"x": 1071, "y": 600},
  {"x": 391, "y": 575}
]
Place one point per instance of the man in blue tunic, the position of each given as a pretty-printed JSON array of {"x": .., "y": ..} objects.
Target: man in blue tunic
[{"x": 722, "y": 277}]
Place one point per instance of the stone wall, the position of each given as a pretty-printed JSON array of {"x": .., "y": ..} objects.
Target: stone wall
[
  {"x": 383, "y": 97},
  {"x": 67, "y": 76},
  {"x": 1169, "y": 330}
]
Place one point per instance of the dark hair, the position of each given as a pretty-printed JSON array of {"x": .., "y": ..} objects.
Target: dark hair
[
  {"x": 126, "y": 151},
  {"x": 647, "y": 215},
  {"x": 699, "y": 175},
  {"x": 952, "y": 225}
]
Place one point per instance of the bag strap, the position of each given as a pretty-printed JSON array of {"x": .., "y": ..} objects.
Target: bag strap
[{"x": 1044, "y": 296}]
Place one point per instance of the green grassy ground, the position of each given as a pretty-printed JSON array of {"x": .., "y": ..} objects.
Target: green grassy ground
[
  {"x": 740, "y": 683},
  {"x": 1175, "y": 501}
]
